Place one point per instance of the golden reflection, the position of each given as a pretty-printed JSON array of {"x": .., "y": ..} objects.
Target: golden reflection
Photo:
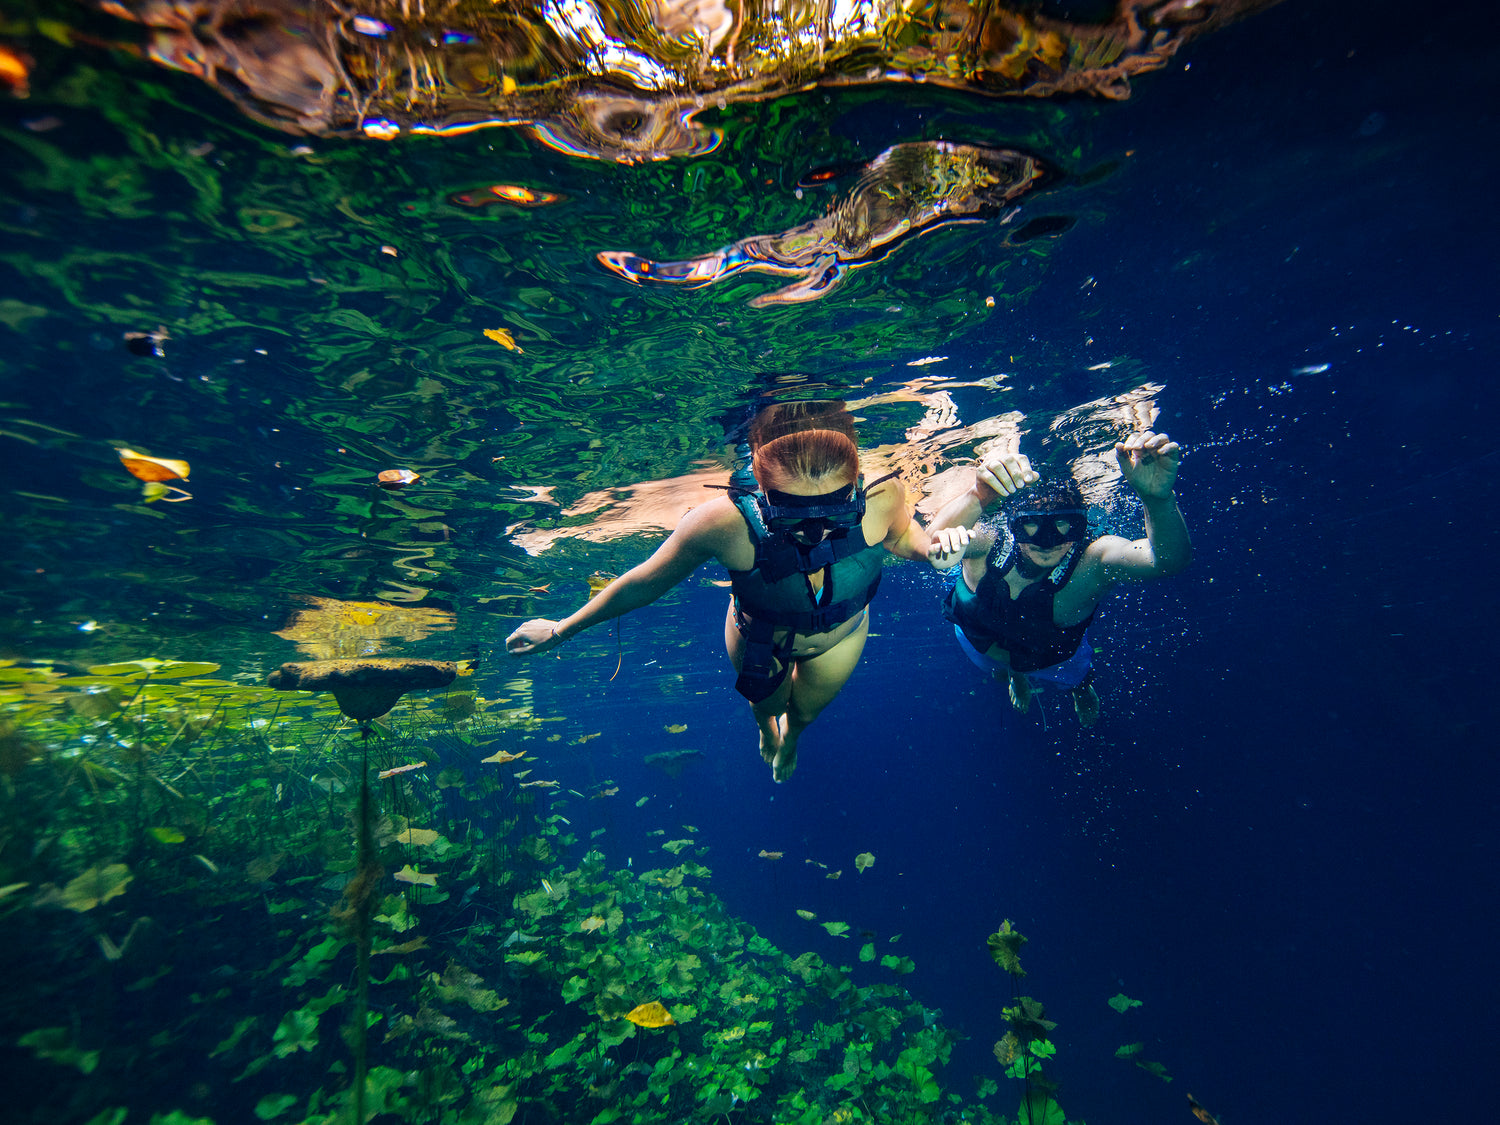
[
  {"x": 908, "y": 190},
  {"x": 623, "y": 79},
  {"x": 329, "y": 629}
]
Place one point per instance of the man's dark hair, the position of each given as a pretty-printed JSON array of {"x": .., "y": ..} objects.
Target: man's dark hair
[{"x": 1048, "y": 496}]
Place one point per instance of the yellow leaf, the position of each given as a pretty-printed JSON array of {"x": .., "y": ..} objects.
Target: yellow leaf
[
  {"x": 806, "y": 915},
  {"x": 591, "y": 923},
  {"x": 144, "y": 467},
  {"x": 677, "y": 728},
  {"x": 500, "y": 757},
  {"x": 651, "y": 1014},
  {"x": 418, "y": 837},
  {"x": 409, "y": 874},
  {"x": 863, "y": 860},
  {"x": 503, "y": 337}
]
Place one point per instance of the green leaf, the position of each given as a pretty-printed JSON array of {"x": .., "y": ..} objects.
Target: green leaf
[
  {"x": 274, "y": 1105},
  {"x": 837, "y": 929},
  {"x": 1005, "y": 947},
  {"x": 1122, "y": 1003},
  {"x": 298, "y": 1031},
  {"x": 167, "y": 835},
  {"x": 867, "y": 951}
]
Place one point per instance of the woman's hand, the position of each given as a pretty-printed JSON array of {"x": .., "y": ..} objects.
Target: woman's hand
[
  {"x": 1001, "y": 475},
  {"x": 948, "y": 547},
  {"x": 535, "y": 636}
]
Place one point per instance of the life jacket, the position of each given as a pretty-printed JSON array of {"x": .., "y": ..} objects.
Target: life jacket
[
  {"x": 1023, "y": 625},
  {"x": 776, "y": 593}
]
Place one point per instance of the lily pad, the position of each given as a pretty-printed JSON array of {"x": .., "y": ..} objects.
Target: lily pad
[{"x": 95, "y": 886}]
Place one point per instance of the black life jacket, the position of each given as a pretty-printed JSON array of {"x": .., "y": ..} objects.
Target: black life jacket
[
  {"x": 1023, "y": 625},
  {"x": 776, "y": 593}
]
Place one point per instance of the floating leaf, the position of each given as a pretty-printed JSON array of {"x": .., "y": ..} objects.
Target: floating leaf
[
  {"x": 676, "y": 846},
  {"x": 806, "y": 915},
  {"x": 96, "y": 885},
  {"x": 837, "y": 929},
  {"x": 676, "y": 728},
  {"x": 500, "y": 757},
  {"x": 144, "y": 467},
  {"x": 409, "y": 874},
  {"x": 864, "y": 860},
  {"x": 392, "y": 772},
  {"x": 651, "y": 1014},
  {"x": 1122, "y": 1003},
  {"x": 391, "y": 479},
  {"x": 503, "y": 337}
]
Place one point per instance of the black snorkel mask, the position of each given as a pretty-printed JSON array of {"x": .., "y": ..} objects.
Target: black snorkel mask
[
  {"x": 813, "y": 516},
  {"x": 1053, "y": 528}
]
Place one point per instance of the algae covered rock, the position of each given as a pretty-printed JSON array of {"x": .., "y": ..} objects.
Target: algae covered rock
[{"x": 365, "y": 689}]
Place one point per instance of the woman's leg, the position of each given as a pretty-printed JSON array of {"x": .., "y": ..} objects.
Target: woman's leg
[
  {"x": 815, "y": 680},
  {"x": 769, "y": 712}
]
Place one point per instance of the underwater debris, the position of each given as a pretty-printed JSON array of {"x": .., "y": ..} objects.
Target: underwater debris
[
  {"x": 394, "y": 770},
  {"x": 500, "y": 757},
  {"x": 365, "y": 689},
  {"x": 673, "y": 762},
  {"x": 1200, "y": 1113}
]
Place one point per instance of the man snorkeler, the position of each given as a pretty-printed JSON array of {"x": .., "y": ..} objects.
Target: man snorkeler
[{"x": 1023, "y": 601}]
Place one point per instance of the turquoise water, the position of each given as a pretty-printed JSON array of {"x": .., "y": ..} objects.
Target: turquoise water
[{"x": 1279, "y": 838}]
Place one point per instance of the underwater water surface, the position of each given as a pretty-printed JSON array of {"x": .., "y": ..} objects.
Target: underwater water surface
[{"x": 1280, "y": 839}]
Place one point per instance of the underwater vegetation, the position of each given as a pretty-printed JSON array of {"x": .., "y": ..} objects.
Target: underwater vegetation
[{"x": 279, "y": 915}]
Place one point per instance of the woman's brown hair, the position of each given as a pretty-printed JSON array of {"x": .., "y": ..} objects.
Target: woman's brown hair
[{"x": 812, "y": 440}]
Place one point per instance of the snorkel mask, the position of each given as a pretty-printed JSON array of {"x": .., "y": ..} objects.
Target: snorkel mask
[
  {"x": 1053, "y": 528},
  {"x": 813, "y": 516}
]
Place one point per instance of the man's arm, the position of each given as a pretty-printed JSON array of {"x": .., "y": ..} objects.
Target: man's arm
[
  {"x": 1148, "y": 462},
  {"x": 696, "y": 541}
]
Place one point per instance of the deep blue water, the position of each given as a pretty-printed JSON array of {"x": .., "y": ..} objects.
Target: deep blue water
[{"x": 1282, "y": 835}]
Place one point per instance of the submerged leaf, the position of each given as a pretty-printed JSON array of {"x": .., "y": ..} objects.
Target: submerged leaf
[
  {"x": 500, "y": 757},
  {"x": 1122, "y": 1003},
  {"x": 1005, "y": 947},
  {"x": 145, "y": 467},
  {"x": 96, "y": 885},
  {"x": 651, "y": 1014},
  {"x": 864, "y": 860},
  {"x": 806, "y": 915},
  {"x": 409, "y": 874}
]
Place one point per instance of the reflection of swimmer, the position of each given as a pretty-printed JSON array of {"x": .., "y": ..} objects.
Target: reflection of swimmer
[
  {"x": 905, "y": 191},
  {"x": 802, "y": 539},
  {"x": 1022, "y": 603}
]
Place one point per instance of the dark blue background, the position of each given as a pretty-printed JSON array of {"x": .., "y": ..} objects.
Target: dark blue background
[{"x": 1282, "y": 835}]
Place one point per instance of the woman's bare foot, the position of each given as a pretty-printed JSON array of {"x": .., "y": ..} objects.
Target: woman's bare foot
[
  {"x": 772, "y": 735},
  {"x": 786, "y": 758},
  {"x": 1020, "y": 692}
]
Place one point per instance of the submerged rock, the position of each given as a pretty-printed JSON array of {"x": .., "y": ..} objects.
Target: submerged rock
[{"x": 365, "y": 689}]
